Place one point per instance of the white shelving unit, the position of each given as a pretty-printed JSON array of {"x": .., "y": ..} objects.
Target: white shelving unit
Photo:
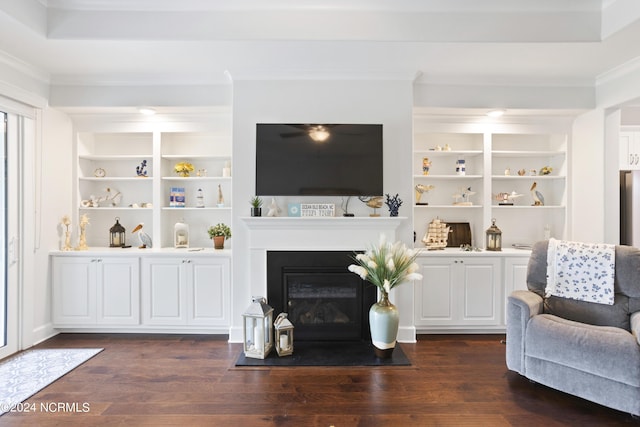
[
  {"x": 499, "y": 159},
  {"x": 108, "y": 160},
  {"x": 444, "y": 149}
]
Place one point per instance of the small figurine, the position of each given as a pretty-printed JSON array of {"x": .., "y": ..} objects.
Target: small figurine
[
  {"x": 538, "y": 198},
  {"x": 220, "y": 197},
  {"x": 82, "y": 241},
  {"x": 437, "y": 235},
  {"x": 66, "y": 221},
  {"x": 112, "y": 196},
  {"x": 507, "y": 172},
  {"x": 274, "y": 209},
  {"x": 145, "y": 239},
  {"x": 393, "y": 203},
  {"x": 465, "y": 194},
  {"x": 374, "y": 202},
  {"x": 506, "y": 199},
  {"x": 546, "y": 170},
  {"x": 420, "y": 189},
  {"x": 426, "y": 164},
  {"x": 141, "y": 170}
]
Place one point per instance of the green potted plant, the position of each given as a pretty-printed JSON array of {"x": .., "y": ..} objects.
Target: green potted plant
[
  {"x": 256, "y": 206},
  {"x": 219, "y": 233}
]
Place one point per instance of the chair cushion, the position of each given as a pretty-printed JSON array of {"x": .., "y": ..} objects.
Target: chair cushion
[{"x": 604, "y": 351}]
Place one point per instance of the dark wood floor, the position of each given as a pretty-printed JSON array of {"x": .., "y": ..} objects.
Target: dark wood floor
[{"x": 170, "y": 380}]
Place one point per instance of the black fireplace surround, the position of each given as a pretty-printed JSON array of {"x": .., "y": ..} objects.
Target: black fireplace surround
[{"x": 323, "y": 299}]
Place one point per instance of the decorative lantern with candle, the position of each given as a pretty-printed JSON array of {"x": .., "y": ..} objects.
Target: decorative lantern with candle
[
  {"x": 283, "y": 329},
  {"x": 258, "y": 328},
  {"x": 116, "y": 235},
  {"x": 181, "y": 235},
  {"x": 494, "y": 237}
]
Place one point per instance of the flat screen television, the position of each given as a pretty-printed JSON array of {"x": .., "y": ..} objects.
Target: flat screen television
[{"x": 318, "y": 159}]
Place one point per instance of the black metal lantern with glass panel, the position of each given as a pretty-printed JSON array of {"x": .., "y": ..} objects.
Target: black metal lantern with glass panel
[{"x": 117, "y": 235}]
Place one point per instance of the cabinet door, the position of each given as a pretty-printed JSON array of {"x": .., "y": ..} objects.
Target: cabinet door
[
  {"x": 74, "y": 290},
  {"x": 164, "y": 291},
  {"x": 481, "y": 282},
  {"x": 629, "y": 150},
  {"x": 118, "y": 291},
  {"x": 435, "y": 293},
  {"x": 515, "y": 277},
  {"x": 208, "y": 292}
]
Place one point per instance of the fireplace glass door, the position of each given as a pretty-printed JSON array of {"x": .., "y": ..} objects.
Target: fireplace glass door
[{"x": 326, "y": 306}]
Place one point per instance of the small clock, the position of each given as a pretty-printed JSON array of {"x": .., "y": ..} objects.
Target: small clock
[{"x": 99, "y": 173}]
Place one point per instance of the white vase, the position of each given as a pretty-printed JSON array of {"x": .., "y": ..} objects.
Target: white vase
[{"x": 383, "y": 322}]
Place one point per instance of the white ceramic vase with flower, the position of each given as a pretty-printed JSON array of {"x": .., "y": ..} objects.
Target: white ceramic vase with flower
[{"x": 386, "y": 266}]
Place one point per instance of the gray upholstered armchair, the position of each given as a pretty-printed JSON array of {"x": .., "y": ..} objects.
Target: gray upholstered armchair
[{"x": 586, "y": 349}]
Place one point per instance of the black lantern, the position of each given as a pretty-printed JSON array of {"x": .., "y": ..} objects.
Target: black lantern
[
  {"x": 494, "y": 237},
  {"x": 116, "y": 235}
]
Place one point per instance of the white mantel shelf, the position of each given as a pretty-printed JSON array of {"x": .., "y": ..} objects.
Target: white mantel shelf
[
  {"x": 326, "y": 233},
  {"x": 292, "y": 223}
]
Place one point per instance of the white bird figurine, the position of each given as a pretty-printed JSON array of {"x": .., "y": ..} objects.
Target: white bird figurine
[
  {"x": 464, "y": 194},
  {"x": 538, "y": 198},
  {"x": 145, "y": 239}
]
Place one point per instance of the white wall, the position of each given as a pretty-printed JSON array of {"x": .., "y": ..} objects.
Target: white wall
[
  {"x": 47, "y": 197},
  {"x": 587, "y": 222},
  {"x": 336, "y": 101}
]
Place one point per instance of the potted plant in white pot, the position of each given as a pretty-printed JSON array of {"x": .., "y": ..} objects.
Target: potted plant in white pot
[
  {"x": 256, "y": 206},
  {"x": 219, "y": 233}
]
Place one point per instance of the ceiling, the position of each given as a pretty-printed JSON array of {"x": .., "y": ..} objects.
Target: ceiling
[{"x": 189, "y": 42}]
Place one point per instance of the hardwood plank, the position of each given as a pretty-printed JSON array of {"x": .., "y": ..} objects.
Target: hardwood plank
[{"x": 191, "y": 380}]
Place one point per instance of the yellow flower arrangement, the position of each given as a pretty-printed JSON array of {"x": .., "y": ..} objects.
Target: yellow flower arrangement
[{"x": 183, "y": 168}]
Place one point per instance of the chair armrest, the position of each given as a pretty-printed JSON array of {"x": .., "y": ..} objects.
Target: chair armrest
[
  {"x": 635, "y": 325},
  {"x": 521, "y": 306},
  {"x": 530, "y": 302}
]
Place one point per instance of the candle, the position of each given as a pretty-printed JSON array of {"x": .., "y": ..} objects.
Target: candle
[
  {"x": 258, "y": 338},
  {"x": 284, "y": 342}
]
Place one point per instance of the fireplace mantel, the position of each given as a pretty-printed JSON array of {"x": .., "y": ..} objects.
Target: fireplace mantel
[{"x": 319, "y": 232}]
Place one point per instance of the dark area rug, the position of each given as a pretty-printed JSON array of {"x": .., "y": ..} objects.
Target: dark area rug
[{"x": 307, "y": 353}]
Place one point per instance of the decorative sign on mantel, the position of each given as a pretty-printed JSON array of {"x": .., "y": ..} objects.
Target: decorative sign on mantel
[{"x": 317, "y": 209}]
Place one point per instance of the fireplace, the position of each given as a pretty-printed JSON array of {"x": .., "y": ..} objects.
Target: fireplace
[{"x": 324, "y": 301}]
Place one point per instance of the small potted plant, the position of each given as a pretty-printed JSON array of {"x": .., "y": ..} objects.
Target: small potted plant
[
  {"x": 256, "y": 206},
  {"x": 219, "y": 233}
]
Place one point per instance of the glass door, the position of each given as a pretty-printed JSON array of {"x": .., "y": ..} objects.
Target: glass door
[
  {"x": 11, "y": 127},
  {"x": 4, "y": 289}
]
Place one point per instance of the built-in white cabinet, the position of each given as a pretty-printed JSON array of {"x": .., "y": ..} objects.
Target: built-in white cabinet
[
  {"x": 630, "y": 150},
  {"x": 515, "y": 275},
  {"x": 142, "y": 290},
  {"x": 459, "y": 292},
  {"x": 95, "y": 290},
  {"x": 185, "y": 291}
]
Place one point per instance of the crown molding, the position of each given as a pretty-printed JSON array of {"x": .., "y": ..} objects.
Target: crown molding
[
  {"x": 331, "y": 74},
  {"x": 618, "y": 72},
  {"x": 24, "y": 68}
]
